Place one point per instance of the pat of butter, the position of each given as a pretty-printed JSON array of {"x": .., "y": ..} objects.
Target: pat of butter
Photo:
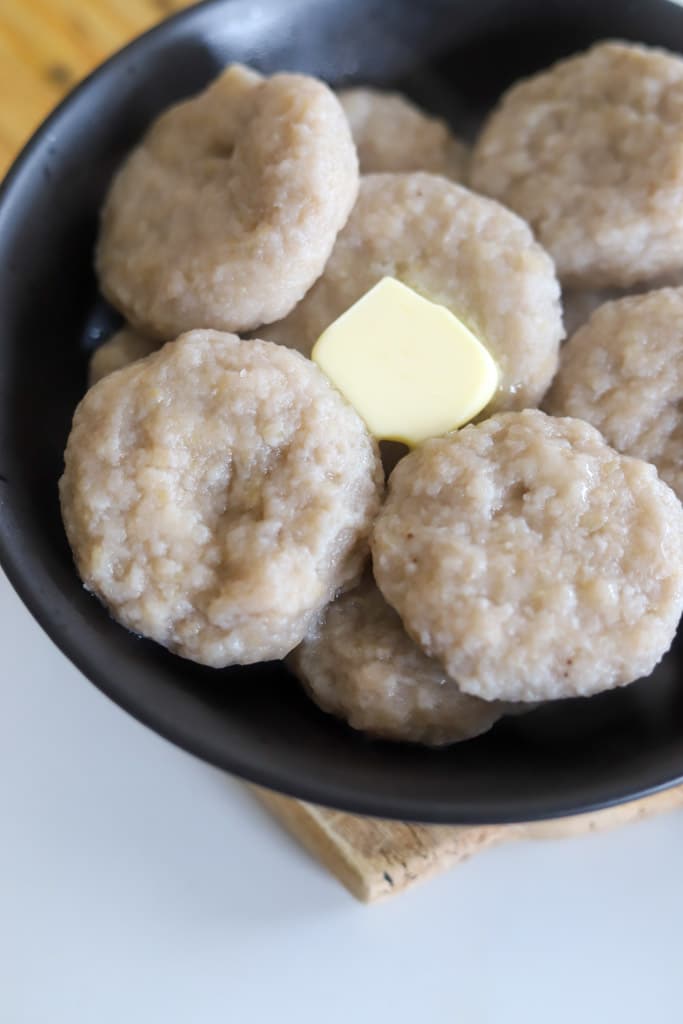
[{"x": 409, "y": 367}]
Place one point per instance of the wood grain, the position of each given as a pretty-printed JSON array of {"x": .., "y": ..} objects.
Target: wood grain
[
  {"x": 46, "y": 47},
  {"x": 375, "y": 859}
]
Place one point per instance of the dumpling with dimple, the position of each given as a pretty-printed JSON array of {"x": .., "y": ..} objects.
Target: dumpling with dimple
[
  {"x": 217, "y": 495},
  {"x": 532, "y": 560},
  {"x": 226, "y": 212}
]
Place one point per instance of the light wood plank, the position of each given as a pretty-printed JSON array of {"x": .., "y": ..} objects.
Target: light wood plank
[
  {"x": 47, "y": 46},
  {"x": 375, "y": 859}
]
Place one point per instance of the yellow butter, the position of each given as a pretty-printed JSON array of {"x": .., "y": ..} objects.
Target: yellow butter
[{"x": 409, "y": 367}]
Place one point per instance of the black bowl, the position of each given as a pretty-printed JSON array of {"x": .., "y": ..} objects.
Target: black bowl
[{"x": 454, "y": 57}]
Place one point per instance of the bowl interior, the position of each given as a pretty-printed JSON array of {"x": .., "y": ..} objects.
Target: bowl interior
[{"x": 455, "y": 58}]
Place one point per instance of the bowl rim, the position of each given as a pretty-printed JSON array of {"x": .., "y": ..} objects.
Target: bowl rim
[{"x": 312, "y": 787}]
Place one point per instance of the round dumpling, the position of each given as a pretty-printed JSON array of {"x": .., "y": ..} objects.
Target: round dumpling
[
  {"x": 217, "y": 495},
  {"x": 360, "y": 664},
  {"x": 458, "y": 249},
  {"x": 623, "y": 372},
  {"x": 123, "y": 348},
  {"x": 532, "y": 560},
  {"x": 590, "y": 153},
  {"x": 392, "y": 134},
  {"x": 226, "y": 212}
]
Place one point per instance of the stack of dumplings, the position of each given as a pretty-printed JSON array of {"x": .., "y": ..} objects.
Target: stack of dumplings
[{"x": 224, "y": 499}]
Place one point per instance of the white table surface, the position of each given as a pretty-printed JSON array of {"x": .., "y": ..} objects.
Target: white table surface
[{"x": 138, "y": 885}]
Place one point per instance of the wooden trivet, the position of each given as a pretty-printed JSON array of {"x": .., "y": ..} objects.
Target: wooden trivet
[
  {"x": 375, "y": 859},
  {"x": 46, "y": 47}
]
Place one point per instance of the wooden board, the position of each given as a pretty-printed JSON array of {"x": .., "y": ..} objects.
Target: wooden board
[
  {"x": 375, "y": 859},
  {"x": 46, "y": 46}
]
